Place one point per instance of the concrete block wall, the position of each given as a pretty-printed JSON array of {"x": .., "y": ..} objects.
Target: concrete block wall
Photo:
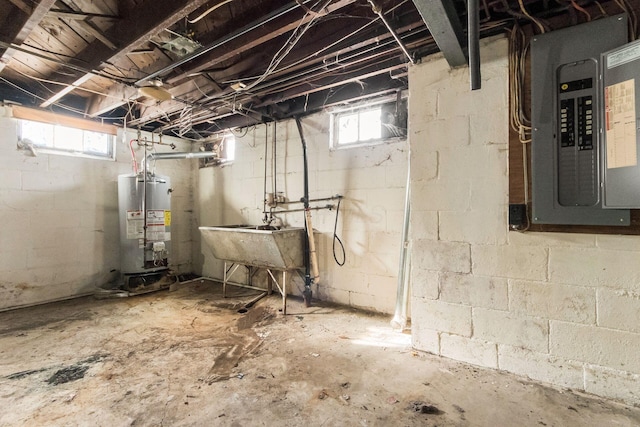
[
  {"x": 558, "y": 308},
  {"x": 59, "y": 214},
  {"x": 371, "y": 179}
]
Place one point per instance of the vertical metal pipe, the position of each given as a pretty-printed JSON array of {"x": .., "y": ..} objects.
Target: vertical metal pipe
[
  {"x": 307, "y": 256},
  {"x": 264, "y": 192},
  {"x": 273, "y": 160},
  {"x": 144, "y": 207},
  {"x": 399, "y": 320},
  {"x": 473, "y": 34}
]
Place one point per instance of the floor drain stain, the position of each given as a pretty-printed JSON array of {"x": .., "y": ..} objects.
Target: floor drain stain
[
  {"x": 68, "y": 374},
  {"x": 75, "y": 371},
  {"x": 423, "y": 408}
]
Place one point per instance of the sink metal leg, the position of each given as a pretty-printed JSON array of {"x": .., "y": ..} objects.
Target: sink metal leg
[
  {"x": 227, "y": 275},
  {"x": 282, "y": 289},
  {"x": 284, "y": 292},
  {"x": 224, "y": 281}
]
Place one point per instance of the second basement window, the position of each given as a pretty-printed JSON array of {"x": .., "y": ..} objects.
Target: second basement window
[{"x": 369, "y": 124}]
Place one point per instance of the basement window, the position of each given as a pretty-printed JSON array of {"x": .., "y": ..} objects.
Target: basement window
[
  {"x": 224, "y": 146},
  {"x": 58, "y": 139},
  {"x": 369, "y": 124}
]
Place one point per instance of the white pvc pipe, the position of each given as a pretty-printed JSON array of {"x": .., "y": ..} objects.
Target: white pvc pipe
[{"x": 399, "y": 320}]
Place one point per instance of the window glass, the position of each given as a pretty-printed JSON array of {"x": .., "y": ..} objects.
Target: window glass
[
  {"x": 39, "y": 134},
  {"x": 95, "y": 142},
  {"x": 58, "y": 139},
  {"x": 369, "y": 124},
  {"x": 348, "y": 128},
  {"x": 229, "y": 148},
  {"x": 225, "y": 147},
  {"x": 66, "y": 138}
]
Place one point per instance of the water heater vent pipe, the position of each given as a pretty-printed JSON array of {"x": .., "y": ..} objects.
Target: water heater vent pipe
[{"x": 179, "y": 155}]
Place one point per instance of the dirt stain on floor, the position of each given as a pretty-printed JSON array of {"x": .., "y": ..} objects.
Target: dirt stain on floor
[
  {"x": 68, "y": 374},
  {"x": 239, "y": 343},
  {"x": 159, "y": 359},
  {"x": 63, "y": 375}
]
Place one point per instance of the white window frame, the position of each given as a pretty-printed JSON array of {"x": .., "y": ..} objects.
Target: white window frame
[
  {"x": 41, "y": 148},
  {"x": 336, "y": 113}
]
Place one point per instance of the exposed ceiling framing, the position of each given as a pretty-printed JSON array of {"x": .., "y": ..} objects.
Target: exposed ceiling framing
[
  {"x": 230, "y": 63},
  {"x": 21, "y": 22}
]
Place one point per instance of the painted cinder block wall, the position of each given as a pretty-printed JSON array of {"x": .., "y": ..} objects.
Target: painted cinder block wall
[
  {"x": 559, "y": 308},
  {"x": 59, "y": 219},
  {"x": 371, "y": 179}
]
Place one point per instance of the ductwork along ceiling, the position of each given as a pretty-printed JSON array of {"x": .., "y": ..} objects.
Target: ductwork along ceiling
[{"x": 193, "y": 68}]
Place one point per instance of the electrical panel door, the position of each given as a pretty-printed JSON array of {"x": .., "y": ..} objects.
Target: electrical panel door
[
  {"x": 566, "y": 102},
  {"x": 621, "y": 76}
]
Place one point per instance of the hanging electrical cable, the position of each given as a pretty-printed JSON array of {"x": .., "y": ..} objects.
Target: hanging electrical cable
[
  {"x": 208, "y": 11},
  {"x": 520, "y": 123},
  {"x": 534, "y": 20},
  {"x": 293, "y": 39},
  {"x": 518, "y": 48},
  {"x": 337, "y": 239},
  {"x": 133, "y": 157}
]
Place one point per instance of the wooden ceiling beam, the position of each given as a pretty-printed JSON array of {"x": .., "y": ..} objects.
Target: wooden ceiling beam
[
  {"x": 131, "y": 32},
  {"x": 22, "y": 5},
  {"x": 100, "y": 106},
  {"x": 19, "y": 27},
  {"x": 81, "y": 16},
  {"x": 353, "y": 52},
  {"x": 259, "y": 36}
]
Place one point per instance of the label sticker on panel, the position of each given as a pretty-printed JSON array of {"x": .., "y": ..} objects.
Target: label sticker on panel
[
  {"x": 620, "y": 124},
  {"x": 135, "y": 225},
  {"x": 155, "y": 217}
]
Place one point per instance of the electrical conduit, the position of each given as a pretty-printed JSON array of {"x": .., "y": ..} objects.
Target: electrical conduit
[
  {"x": 399, "y": 320},
  {"x": 307, "y": 223}
]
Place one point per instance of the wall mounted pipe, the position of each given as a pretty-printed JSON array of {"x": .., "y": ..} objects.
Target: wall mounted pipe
[
  {"x": 312, "y": 208},
  {"x": 175, "y": 156},
  {"x": 307, "y": 256},
  {"x": 265, "y": 219},
  {"x": 399, "y": 320},
  {"x": 473, "y": 34},
  {"x": 274, "y": 160},
  {"x": 323, "y": 199}
]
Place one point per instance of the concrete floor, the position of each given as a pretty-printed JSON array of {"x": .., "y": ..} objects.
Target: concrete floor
[{"x": 189, "y": 358}]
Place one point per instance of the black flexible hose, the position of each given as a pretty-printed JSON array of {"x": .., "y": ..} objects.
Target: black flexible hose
[{"x": 337, "y": 239}]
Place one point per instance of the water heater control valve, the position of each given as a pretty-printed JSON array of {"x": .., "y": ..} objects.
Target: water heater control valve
[{"x": 159, "y": 247}]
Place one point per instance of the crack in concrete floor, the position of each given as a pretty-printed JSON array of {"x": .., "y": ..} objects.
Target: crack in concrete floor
[{"x": 188, "y": 358}]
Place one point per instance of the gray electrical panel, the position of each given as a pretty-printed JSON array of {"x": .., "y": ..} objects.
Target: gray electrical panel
[
  {"x": 621, "y": 77},
  {"x": 565, "y": 112}
]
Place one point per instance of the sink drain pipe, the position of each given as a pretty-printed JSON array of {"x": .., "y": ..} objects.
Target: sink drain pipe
[{"x": 307, "y": 222}]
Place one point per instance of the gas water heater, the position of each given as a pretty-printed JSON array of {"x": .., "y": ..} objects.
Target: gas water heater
[{"x": 144, "y": 205}]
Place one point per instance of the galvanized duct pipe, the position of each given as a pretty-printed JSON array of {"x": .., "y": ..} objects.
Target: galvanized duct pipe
[
  {"x": 181, "y": 155},
  {"x": 175, "y": 156}
]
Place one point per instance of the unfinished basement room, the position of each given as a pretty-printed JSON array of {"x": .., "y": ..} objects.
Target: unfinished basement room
[{"x": 319, "y": 213}]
